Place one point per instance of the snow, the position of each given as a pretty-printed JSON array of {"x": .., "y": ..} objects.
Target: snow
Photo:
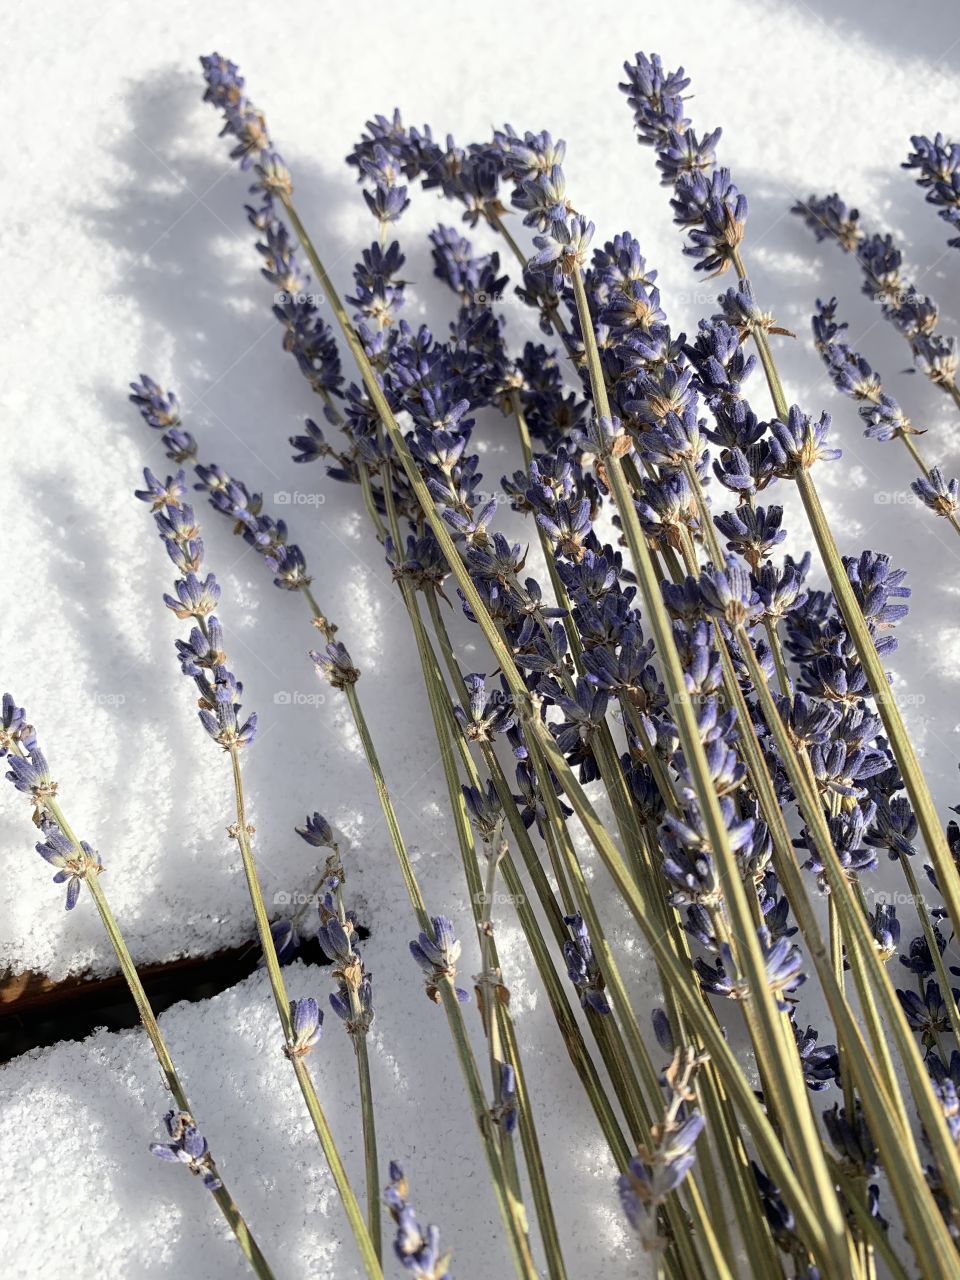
[
  {"x": 125, "y": 249},
  {"x": 77, "y": 1119}
]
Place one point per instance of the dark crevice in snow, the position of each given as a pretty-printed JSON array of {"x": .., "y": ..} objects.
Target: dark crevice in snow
[{"x": 38, "y": 1014}]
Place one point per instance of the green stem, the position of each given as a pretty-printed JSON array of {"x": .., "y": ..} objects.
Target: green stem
[
  {"x": 901, "y": 1159},
  {"x": 827, "y": 1248},
  {"x": 761, "y": 1012},
  {"x": 354, "y": 1214},
  {"x": 225, "y": 1202},
  {"x": 369, "y": 1132},
  {"x": 906, "y": 758},
  {"x": 556, "y": 992}
]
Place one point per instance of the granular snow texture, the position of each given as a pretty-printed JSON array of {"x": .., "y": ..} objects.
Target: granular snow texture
[{"x": 125, "y": 249}]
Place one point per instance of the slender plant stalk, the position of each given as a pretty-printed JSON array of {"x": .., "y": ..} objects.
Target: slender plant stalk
[
  {"x": 225, "y": 1202},
  {"x": 511, "y": 1210},
  {"x": 894, "y": 1139},
  {"x": 358, "y": 1035},
  {"x": 948, "y": 877},
  {"x": 352, "y": 1209},
  {"x": 832, "y": 1247},
  {"x": 494, "y": 1011},
  {"x": 799, "y": 1124}
]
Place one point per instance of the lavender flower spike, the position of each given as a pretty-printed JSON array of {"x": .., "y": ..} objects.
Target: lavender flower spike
[
  {"x": 938, "y": 163},
  {"x": 417, "y": 1251},
  {"x": 653, "y": 1175},
  {"x": 201, "y": 657}
]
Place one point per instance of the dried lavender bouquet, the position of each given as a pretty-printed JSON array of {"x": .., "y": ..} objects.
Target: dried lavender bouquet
[{"x": 673, "y": 694}]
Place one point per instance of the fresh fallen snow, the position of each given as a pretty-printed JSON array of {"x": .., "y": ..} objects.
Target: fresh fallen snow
[
  {"x": 77, "y": 1120},
  {"x": 126, "y": 250}
]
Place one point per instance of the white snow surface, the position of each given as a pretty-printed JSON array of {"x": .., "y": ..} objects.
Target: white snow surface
[{"x": 125, "y": 248}]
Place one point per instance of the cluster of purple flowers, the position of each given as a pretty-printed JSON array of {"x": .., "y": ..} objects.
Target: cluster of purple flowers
[
  {"x": 884, "y": 418},
  {"x": 706, "y": 203},
  {"x": 201, "y": 655},
  {"x": 852, "y": 375},
  {"x": 656, "y": 383},
  {"x": 913, "y": 314},
  {"x": 305, "y": 334},
  {"x": 937, "y": 163},
  {"x": 230, "y": 497},
  {"x": 660, "y": 1167},
  {"x": 352, "y": 1002},
  {"x": 28, "y": 771},
  {"x": 437, "y": 954},
  {"x": 417, "y": 1251},
  {"x": 590, "y": 656}
]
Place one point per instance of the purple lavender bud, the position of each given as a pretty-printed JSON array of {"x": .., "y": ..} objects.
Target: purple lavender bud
[
  {"x": 418, "y": 1251},
  {"x": 189, "y": 1147},
  {"x": 938, "y": 164},
  {"x": 317, "y": 832},
  {"x": 506, "y": 1114},
  {"x": 484, "y": 717},
  {"x": 14, "y": 730},
  {"x": 437, "y": 956},
  {"x": 939, "y": 494},
  {"x": 335, "y": 665},
  {"x": 728, "y": 593},
  {"x": 306, "y": 1020},
  {"x": 582, "y": 968},
  {"x": 820, "y": 1063},
  {"x": 73, "y": 862},
  {"x": 158, "y": 408},
  {"x": 800, "y": 442},
  {"x": 564, "y": 250},
  {"x": 312, "y": 445},
  {"x": 830, "y": 217},
  {"x": 195, "y": 599},
  {"x": 662, "y": 1031},
  {"x": 653, "y": 1174},
  {"x": 485, "y": 810},
  {"x": 159, "y": 494}
]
